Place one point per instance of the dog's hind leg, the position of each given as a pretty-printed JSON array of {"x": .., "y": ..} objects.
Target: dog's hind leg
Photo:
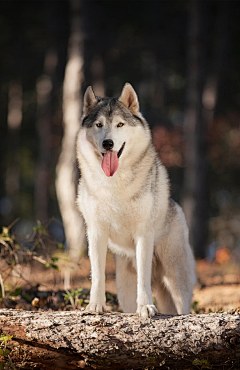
[
  {"x": 178, "y": 277},
  {"x": 177, "y": 261},
  {"x": 164, "y": 300},
  {"x": 126, "y": 283}
]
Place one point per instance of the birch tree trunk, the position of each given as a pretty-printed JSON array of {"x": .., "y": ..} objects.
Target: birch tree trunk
[
  {"x": 66, "y": 170},
  {"x": 76, "y": 339}
]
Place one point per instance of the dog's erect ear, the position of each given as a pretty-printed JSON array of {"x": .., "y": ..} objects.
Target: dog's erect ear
[
  {"x": 129, "y": 98},
  {"x": 89, "y": 101}
]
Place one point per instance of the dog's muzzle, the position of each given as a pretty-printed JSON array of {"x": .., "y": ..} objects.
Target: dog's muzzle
[
  {"x": 105, "y": 147},
  {"x": 110, "y": 159}
]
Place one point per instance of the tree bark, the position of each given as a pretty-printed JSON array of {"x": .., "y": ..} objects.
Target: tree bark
[
  {"x": 77, "y": 339},
  {"x": 66, "y": 170}
]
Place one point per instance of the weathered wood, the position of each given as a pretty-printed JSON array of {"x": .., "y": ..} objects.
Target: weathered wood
[{"x": 77, "y": 339}]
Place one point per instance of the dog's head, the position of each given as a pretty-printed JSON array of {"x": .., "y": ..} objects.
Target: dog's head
[{"x": 111, "y": 125}]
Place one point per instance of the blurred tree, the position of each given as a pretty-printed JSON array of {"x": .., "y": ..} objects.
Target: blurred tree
[
  {"x": 67, "y": 174},
  {"x": 45, "y": 89},
  {"x": 195, "y": 176},
  {"x": 117, "y": 48},
  {"x": 14, "y": 119},
  {"x": 14, "y": 123},
  {"x": 202, "y": 97}
]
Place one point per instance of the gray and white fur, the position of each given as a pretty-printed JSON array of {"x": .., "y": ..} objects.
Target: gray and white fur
[{"x": 129, "y": 210}]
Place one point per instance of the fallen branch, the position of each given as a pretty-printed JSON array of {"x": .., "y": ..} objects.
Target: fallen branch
[{"x": 76, "y": 339}]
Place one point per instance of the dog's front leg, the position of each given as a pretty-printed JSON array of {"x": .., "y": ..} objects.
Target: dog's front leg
[
  {"x": 144, "y": 255},
  {"x": 97, "y": 253}
]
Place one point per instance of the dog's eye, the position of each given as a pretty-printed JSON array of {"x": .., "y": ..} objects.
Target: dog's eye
[
  {"x": 120, "y": 124},
  {"x": 99, "y": 124}
]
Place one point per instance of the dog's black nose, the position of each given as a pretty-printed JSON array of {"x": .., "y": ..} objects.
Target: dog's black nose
[{"x": 107, "y": 144}]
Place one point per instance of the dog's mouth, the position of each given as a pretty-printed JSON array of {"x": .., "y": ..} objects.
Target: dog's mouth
[
  {"x": 121, "y": 150},
  {"x": 110, "y": 161},
  {"x": 118, "y": 153}
]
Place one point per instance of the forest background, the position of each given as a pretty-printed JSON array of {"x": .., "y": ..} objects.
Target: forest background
[{"x": 183, "y": 60}]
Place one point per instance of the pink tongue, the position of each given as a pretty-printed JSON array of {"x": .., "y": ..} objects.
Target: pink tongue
[{"x": 110, "y": 163}]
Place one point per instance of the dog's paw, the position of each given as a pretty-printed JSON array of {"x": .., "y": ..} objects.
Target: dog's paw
[
  {"x": 96, "y": 307},
  {"x": 148, "y": 310}
]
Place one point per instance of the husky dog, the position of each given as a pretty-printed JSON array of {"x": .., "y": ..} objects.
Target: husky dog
[{"x": 123, "y": 196}]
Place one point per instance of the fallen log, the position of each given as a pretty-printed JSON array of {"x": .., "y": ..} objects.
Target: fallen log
[{"x": 77, "y": 339}]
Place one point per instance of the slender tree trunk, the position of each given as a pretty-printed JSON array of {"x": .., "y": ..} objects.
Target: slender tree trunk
[
  {"x": 67, "y": 173},
  {"x": 12, "y": 179},
  {"x": 222, "y": 45},
  {"x": 72, "y": 340},
  {"x": 97, "y": 72},
  {"x": 44, "y": 89},
  {"x": 195, "y": 176},
  {"x": 14, "y": 121},
  {"x": 217, "y": 68}
]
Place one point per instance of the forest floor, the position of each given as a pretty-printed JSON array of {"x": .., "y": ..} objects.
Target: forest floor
[{"x": 218, "y": 287}]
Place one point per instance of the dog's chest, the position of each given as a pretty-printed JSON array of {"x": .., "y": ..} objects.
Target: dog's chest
[
  {"x": 119, "y": 213},
  {"x": 122, "y": 225},
  {"x": 114, "y": 210}
]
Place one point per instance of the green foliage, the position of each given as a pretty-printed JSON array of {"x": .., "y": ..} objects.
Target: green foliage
[
  {"x": 111, "y": 297},
  {"x": 52, "y": 264},
  {"x": 151, "y": 359},
  {"x": 16, "y": 292},
  {"x": 27, "y": 297},
  {"x": 5, "y": 352},
  {"x": 5, "y": 232},
  {"x": 40, "y": 229},
  {"x": 11, "y": 251},
  {"x": 194, "y": 307},
  {"x": 3, "y": 344},
  {"x": 75, "y": 297},
  {"x": 203, "y": 364},
  {"x": 9, "y": 246}
]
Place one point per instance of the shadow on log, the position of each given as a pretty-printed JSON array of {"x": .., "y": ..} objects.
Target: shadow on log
[{"x": 77, "y": 339}]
